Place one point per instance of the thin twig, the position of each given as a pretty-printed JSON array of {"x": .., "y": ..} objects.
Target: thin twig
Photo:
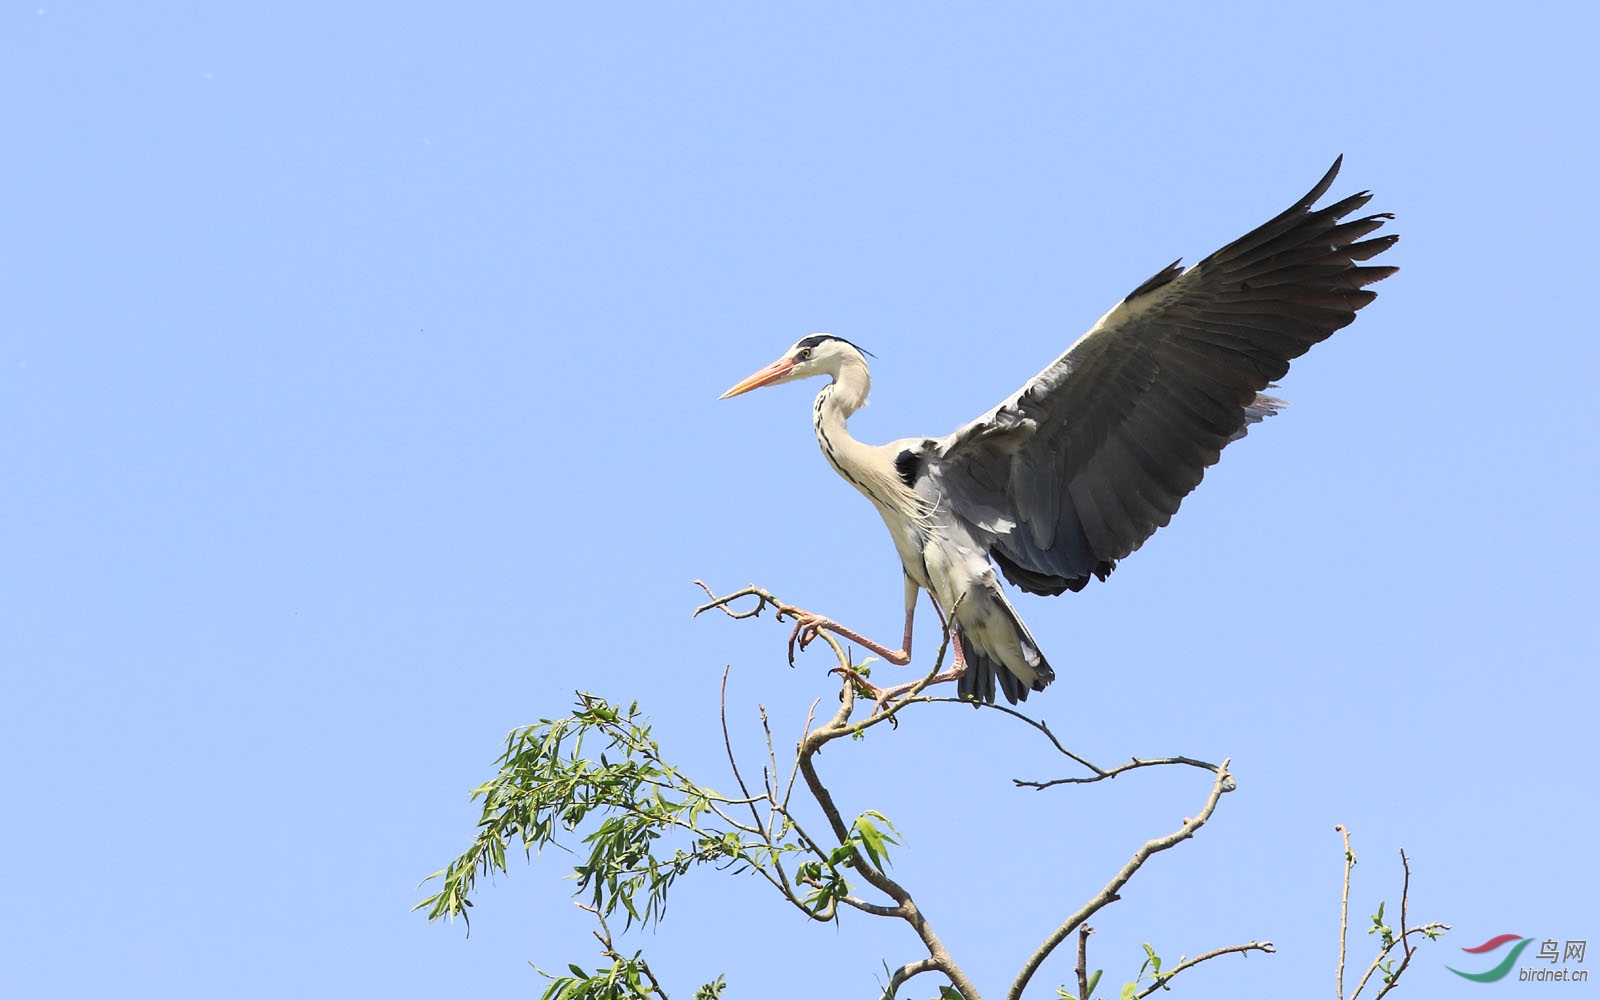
[
  {"x": 1394, "y": 979},
  {"x": 1101, "y": 775},
  {"x": 683, "y": 784},
  {"x": 1405, "y": 891},
  {"x": 1223, "y": 783},
  {"x": 1083, "y": 961},
  {"x": 633, "y": 809},
  {"x": 1038, "y": 724},
  {"x": 727, "y": 743},
  {"x": 811, "y": 715},
  {"x": 772, "y": 756},
  {"x": 763, "y": 598},
  {"x": 604, "y": 936},
  {"x": 1344, "y": 904},
  {"x": 1166, "y": 977}
]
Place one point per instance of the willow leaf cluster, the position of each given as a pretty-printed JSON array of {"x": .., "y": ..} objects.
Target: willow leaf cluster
[{"x": 597, "y": 778}]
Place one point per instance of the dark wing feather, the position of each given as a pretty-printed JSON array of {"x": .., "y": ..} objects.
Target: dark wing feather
[{"x": 1092, "y": 456}]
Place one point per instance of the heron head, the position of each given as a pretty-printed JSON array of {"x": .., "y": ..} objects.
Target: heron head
[{"x": 818, "y": 354}]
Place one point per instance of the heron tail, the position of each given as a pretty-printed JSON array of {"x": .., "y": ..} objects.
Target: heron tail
[{"x": 986, "y": 666}]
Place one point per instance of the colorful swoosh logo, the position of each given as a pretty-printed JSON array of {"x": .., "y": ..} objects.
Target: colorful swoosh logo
[{"x": 1499, "y": 971}]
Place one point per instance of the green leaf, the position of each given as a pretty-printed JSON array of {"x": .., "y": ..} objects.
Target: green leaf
[
  {"x": 871, "y": 840},
  {"x": 1151, "y": 958},
  {"x": 1094, "y": 981}
]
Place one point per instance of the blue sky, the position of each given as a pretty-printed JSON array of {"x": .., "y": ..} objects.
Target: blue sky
[{"x": 358, "y": 378}]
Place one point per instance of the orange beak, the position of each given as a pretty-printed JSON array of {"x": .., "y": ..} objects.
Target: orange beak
[{"x": 766, "y": 376}]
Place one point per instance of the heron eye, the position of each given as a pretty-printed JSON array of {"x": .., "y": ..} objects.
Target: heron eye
[{"x": 805, "y": 354}]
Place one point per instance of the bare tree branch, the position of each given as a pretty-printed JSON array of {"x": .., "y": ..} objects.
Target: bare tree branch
[
  {"x": 1344, "y": 904},
  {"x": 771, "y": 773},
  {"x": 1223, "y": 783},
  {"x": 906, "y": 908},
  {"x": 814, "y": 741},
  {"x": 794, "y": 773},
  {"x": 842, "y": 724},
  {"x": 1405, "y": 892},
  {"x": 763, "y": 598},
  {"x": 1101, "y": 775},
  {"x": 1392, "y": 979},
  {"x": 1038, "y": 724}
]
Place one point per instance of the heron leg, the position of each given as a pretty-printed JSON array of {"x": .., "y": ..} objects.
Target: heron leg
[
  {"x": 958, "y": 670},
  {"x": 807, "y": 625}
]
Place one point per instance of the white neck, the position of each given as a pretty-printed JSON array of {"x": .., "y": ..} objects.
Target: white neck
[{"x": 862, "y": 465}]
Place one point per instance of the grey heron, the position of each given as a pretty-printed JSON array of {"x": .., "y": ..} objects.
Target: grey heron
[{"x": 1077, "y": 468}]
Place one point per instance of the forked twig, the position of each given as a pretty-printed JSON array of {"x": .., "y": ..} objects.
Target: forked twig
[
  {"x": 1166, "y": 977},
  {"x": 609, "y": 951},
  {"x": 1224, "y": 783},
  {"x": 1391, "y": 979},
  {"x": 763, "y": 598},
  {"x": 1101, "y": 775}
]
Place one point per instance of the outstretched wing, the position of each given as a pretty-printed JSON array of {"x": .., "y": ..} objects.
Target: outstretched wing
[{"x": 1089, "y": 458}]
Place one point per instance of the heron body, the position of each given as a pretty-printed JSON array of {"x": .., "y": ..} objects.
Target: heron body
[
  {"x": 1077, "y": 468},
  {"x": 937, "y": 551}
]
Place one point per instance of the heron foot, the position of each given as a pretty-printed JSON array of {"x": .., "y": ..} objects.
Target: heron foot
[
  {"x": 880, "y": 696},
  {"x": 807, "y": 627}
]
